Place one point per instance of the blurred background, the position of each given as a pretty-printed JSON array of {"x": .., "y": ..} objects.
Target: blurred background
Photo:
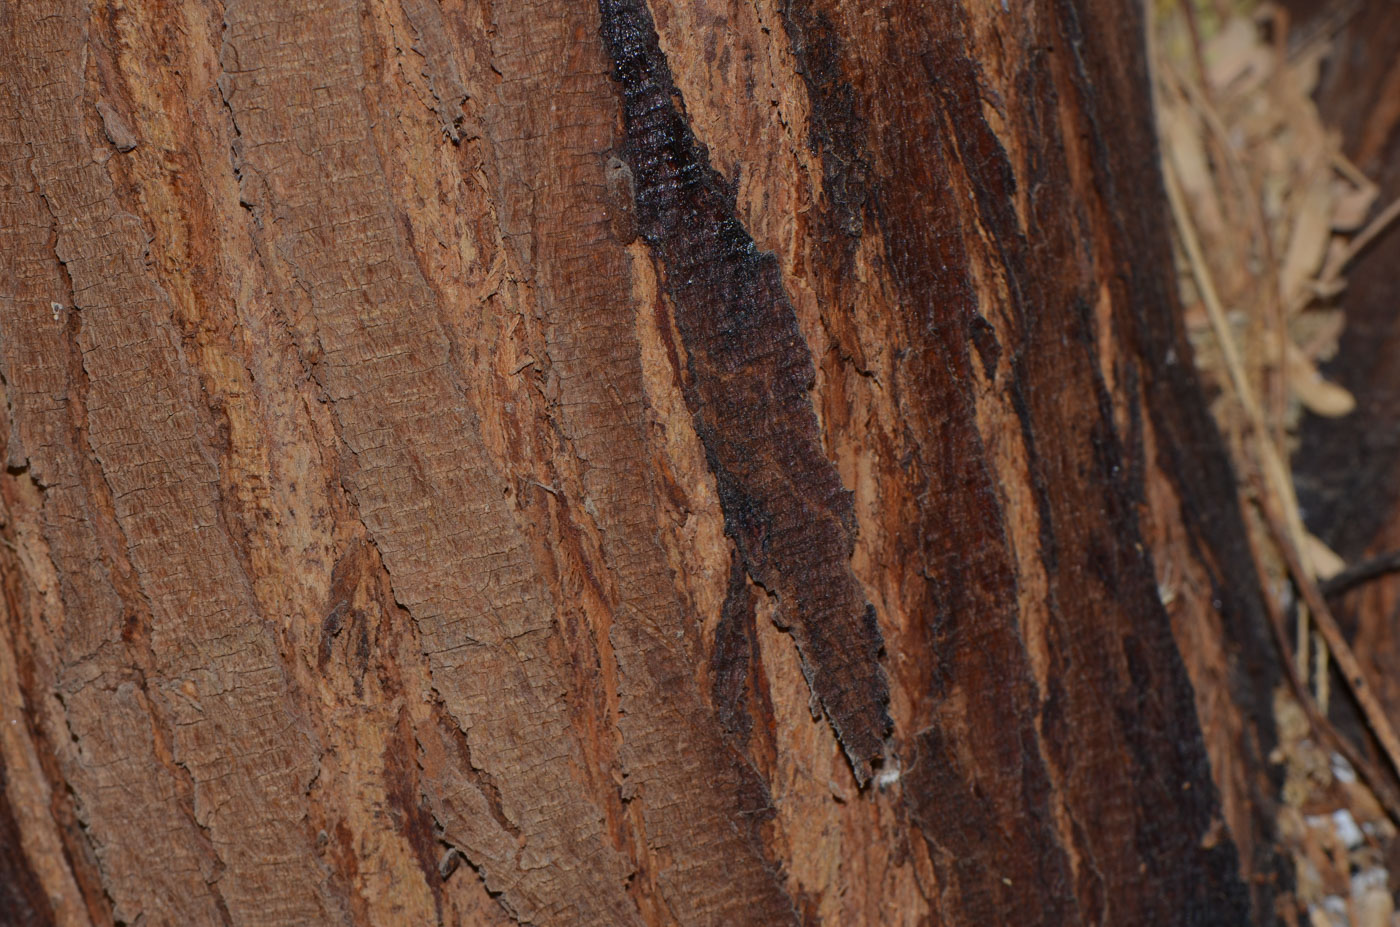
[{"x": 1280, "y": 146}]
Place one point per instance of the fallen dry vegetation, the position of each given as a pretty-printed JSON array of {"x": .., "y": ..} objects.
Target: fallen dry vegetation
[{"x": 1268, "y": 215}]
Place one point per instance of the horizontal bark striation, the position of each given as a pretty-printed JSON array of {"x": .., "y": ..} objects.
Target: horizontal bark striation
[{"x": 750, "y": 373}]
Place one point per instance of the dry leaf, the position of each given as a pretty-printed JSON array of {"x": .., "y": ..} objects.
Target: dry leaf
[
  {"x": 1321, "y": 397},
  {"x": 1303, "y": 72},
  {"x": 1312, "y": 231},
  {"x": 1371, "y": 900},
  {"x": 1182, "y": 138},
  {"x": 1181, "y": 134},
  {"x": 1351, "y": 206},
  {"x": 1235, "y": 52},
  {"x": 1324, "y": 562}
]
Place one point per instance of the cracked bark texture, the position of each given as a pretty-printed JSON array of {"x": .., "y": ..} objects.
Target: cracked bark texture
[{"x": 608, "y": 462}]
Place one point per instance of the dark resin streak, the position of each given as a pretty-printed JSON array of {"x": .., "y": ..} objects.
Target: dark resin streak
[{"x": 750, "y": 374}]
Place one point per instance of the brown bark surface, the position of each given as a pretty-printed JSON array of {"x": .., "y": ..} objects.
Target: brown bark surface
[{"x": 607, "y": 463}]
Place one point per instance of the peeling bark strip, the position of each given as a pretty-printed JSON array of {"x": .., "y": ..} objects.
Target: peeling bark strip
[{"x": 750, "y": 374}]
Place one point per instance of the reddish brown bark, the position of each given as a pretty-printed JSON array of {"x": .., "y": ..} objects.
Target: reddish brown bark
[{"x": 705, "y": 463}]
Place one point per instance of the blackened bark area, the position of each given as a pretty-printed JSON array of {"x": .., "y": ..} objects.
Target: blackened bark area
[
  {"x": 913, "y": 83},
  {"x": 750, "y": 373}
]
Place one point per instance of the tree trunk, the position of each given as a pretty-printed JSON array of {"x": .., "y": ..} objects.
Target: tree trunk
[{"x": 698, "y": 463}]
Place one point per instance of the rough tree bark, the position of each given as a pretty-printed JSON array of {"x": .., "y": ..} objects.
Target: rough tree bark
[{"x": 606, "y": 463}]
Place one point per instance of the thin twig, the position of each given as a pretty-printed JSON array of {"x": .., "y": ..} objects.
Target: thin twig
[
  {"x": 1274, "y": 470},
  {"x": 1380, "y": 785},
  {"x": 1348, "y": 169},
  {"x": 1359, "y": 573},
  {"x": 1351, "y": 671},
  {"x": 1277, "y": 479},
  {"x": 1193, "y": 28},
  {"x": 1275, "y": 383},
  {"x": 1361, "y": 242}
]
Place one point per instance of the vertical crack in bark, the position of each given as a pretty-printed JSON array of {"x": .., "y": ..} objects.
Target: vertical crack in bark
[
  {"x": 439, "y": 68},
  {"x": 783, "y": 501},
  {"x": 735, "y": 654}
]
